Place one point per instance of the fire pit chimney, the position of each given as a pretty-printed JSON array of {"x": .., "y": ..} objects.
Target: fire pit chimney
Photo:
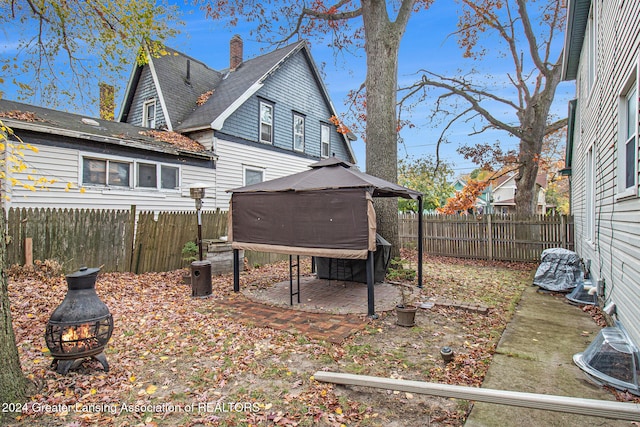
[{"x": 81, "y": 326}]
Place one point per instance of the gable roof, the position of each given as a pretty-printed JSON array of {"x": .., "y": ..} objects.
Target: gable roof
[
  {"x": 577, "y": 18},
  {"x": 236, "y": 87},
  {"x": 229, "y": 89},
  {"x": 179, "y": 79},
  {"x": 43, "y": 120},
  {"x": 541, "y": 179}
]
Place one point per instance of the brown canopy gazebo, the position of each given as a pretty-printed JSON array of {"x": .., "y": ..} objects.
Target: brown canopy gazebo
[{"x": 326, "y": 211}]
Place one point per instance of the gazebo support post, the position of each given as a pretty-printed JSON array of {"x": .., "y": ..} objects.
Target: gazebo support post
[
  {"x": 236, "y": 270},
  {"x": 370, "y": 280},
  {"x": 420, "y": 242}
]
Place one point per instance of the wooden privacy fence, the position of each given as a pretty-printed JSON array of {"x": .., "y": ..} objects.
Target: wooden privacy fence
[
  {"x": 77, "y": 237},
  {"x": 160, "y": 238},
  {"x": 73, "y": 237},
  {"x": 490, "y": 237}
]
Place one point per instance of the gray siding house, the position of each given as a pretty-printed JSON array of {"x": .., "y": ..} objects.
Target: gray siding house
[
  {"x": 264, "y": 118},
  {"x": 181, "y": 123},
  {"x": 602, "y": 54}
]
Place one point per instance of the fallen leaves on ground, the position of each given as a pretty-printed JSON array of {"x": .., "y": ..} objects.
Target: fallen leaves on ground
[{"x": 177, "y": 360}]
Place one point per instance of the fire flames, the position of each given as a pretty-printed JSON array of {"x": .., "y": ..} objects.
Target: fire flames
[{"x": 74, "y": 339}]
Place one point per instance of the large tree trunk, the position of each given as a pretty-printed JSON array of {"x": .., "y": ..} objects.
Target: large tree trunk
[
  {"x": 533, "y": 124},
  {"x": 381, "y": 47},
  {"x": 13, "y": 384}
]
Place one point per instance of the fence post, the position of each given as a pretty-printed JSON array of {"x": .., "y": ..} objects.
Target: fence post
[
  {"x": 563, "y": 231},
  {"x": 132, "y": 239},
  {"x": 489, "y": 238}
]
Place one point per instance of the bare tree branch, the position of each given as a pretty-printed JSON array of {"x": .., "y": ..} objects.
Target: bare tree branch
[
  {"x": 556, "y": 126},
  {"x": 531, "y": 38},
  {"x": 467, "y": 92}
]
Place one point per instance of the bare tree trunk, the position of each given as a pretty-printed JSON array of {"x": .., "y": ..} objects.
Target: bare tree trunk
[
  {"x": 534, "y": 126},
  {"x": 382, "y": 45},
  {"x": 13, "y": 384}
]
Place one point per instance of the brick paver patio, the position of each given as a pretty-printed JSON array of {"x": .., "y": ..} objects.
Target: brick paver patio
[{"x": 328, "y": 309}]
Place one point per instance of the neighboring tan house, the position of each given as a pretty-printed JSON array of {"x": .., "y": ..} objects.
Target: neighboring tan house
[
  {"x": 602, "y": 54},
  {"x": 499, "y": 196},
  {"x": 181, "y": 123},
  {"x": 503, "y": 194}
]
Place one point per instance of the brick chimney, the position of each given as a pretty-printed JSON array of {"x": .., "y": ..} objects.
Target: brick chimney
[
  {"x": 107, "y": 101},
  {"x": 235, "y": 52}
]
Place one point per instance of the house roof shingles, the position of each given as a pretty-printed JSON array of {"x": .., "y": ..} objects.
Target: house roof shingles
[
  {"x": 44, "y": 120},
  {"x": 234, "y": 85},
  {"x": 171, "y": 70}
]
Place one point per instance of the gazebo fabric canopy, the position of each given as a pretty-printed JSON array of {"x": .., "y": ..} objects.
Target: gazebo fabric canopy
[
  {"x": 326, "y": 175},
  {"x": 325, "y": 211}
]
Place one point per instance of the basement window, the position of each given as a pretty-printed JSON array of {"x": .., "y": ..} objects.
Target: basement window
[
  {"x": 611, "y": 359},
  {"x": 584, "y": 294}
]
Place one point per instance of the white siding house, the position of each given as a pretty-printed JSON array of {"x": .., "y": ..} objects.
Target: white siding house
[
  {"x": 100, "y": 164},
  {"x": 602, "y": 54}
]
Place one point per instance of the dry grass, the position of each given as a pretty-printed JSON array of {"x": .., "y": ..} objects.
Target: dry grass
[{"x": 177, "y": 360}]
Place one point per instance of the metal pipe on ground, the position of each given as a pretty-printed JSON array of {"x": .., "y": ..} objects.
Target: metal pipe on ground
[{"x": 573, "y": 405}]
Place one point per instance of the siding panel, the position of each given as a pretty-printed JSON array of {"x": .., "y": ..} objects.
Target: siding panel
[{"x": 615, "y": 253}]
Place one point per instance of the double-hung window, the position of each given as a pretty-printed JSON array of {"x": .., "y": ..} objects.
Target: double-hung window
[
  {"x": 298, "y": 132},
  {"x": 149, "y": 114},
  {"x": 631, "y": 103},
  {"x": 325, "y": 140},
  {"x": 266, "y": 122},
  {"x": 628, "y": 139},
  {"x": 590, "y": 196}
]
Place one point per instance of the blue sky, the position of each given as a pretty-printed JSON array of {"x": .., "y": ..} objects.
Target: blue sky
[{"x": 426, "y": 44}]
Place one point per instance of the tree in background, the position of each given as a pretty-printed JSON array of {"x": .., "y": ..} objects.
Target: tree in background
[
  {"x": 464, "y": 200},
  {"x": 56, "y": 41},
  {"x": 423, "y": 175},
  {"x": 527, "y": 31},
  {"x": 346, "y": 25},
  {"x": 64, "y": 46}
]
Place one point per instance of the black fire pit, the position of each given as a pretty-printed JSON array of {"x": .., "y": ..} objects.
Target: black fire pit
[{"x": 81, "y": 325}]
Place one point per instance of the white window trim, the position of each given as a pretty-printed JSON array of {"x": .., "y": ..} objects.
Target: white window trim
[
  {"x": 592, "y": 47},
  {"x": 590, "y": 196},
  {"x": 322, "y": 143},
  {"x": 145, "y": 118},
  {"x": 298, "y": 116},
  {"x": 133, "y": 173},
  {"x": 169, "y": 165},
  {"x": 158, "y": 166},
  {"x": 108, "y": 158},
  {"x": 622, "y": 192},
  {"x": 273, "y": 110},
  {"x": 246, "y": 168}
]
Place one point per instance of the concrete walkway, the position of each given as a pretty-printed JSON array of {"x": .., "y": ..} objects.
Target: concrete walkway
[{"x": 535, "y": 355}]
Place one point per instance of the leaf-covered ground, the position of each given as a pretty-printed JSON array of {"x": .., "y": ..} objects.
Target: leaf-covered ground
[{"x": 181, "y": 361}]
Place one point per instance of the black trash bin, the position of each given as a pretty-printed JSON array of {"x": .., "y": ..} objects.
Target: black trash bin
[{"x": 200, "y": 278}]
